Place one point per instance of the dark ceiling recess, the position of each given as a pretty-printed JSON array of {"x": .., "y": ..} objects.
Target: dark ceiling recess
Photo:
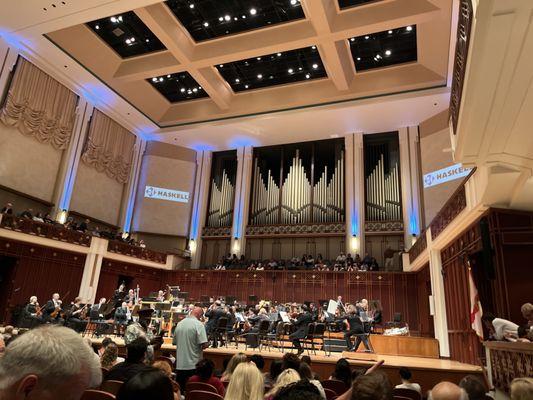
[
  {"x": 273, "y": 69},
  {"x": 382, "y": 49},
  {"x": 126, "y": 34},
  {"x": 178, "y": 87},
  {"x": 209, "y": 19},
  {"x": 354, "y": 3}
]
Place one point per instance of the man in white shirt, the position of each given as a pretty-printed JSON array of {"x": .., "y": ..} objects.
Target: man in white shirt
[
  {"x": 499, "y": 328},
  {"x": 190, "y": 339},
  {"x": 405, "y": 374}
]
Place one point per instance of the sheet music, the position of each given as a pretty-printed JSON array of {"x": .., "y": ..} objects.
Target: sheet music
[{"x": 332, "y": 306}]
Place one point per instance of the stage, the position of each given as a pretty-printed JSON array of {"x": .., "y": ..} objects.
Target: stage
[{"x": 426, "y": 371}]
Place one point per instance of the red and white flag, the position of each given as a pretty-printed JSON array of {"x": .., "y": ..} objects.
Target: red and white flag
[{"x": 475, "y": 307}]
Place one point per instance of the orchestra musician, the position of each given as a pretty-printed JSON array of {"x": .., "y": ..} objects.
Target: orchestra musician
[
  {"x": 160, "y": 296},
  {"x": 33, "y": 313},
  {"x": 301, "y": 325},
  {"x": 122, "y": 314},
  {"x": 119, "y": 294},
  {"x": 74, "y": 316},
  {"x": 52, "y": 310},
  {"x": 214, "y": 313},
  {"x": 355, "y": 327},
  {"x": 97, "y": 310},
  {"x": 130, "y": 297}
]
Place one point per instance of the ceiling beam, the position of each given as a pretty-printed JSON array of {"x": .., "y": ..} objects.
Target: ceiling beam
[{"x": 160, "y": 20}]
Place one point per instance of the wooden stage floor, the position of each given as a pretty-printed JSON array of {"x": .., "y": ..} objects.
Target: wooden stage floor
[{"x": 426, "y": 371}]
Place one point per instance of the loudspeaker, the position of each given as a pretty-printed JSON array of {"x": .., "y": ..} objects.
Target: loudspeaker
[{"x": 486, "y": 251}]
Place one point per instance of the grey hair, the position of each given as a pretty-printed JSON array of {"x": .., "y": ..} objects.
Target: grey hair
[
  {"x": 463, "y": 395},
  {"x": 54, "y": 354}
]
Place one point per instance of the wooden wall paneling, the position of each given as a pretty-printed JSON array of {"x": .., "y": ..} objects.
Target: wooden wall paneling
[{"x": 423, "y": 286}]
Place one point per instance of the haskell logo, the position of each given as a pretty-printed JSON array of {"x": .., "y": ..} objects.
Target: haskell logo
[
  {"x": 153, "y": 192},
  {"x": 445, "y": 175}
]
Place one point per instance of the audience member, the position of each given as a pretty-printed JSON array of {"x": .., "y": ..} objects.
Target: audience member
[
  {"x": 499, "y": 328},
  {"x": 190, "y": 339},
  {"x": 7, "y": 209},
  {"x": 38, "y": 217},
  {"x": 447, "y": 391},
  {"x": 259, "y": 361},
  {"x": 290, "y": 360},
  {"x": 405, "y": 375},
  {"x": 301, "y": 390},
  {"x": 204, "y": 373},
  {"x": 246, "y": 383},
  {"x": 165, "y": 368},
  {"x": 136, "y": 352},
  {"x": 287, "y": 377},
  {"x": 372, "y": 386},
  {"x": 8, "y": 334},
  {"x": 306, "y": 373},
  {"x": 48, "y": 363},
  {"x": 474, "y": 387},
  {"x": 342, "y": 372},
  {"x": 2, "y": 346},
  {"x": 525, "y": 334},
  {"x": 108, "y": 359},
  {"x": 232, "y": 365},
  {"x": 522, "y": 389},
  {"x": 276, "y": 367},
  {"x": 527, "y": 313},
  {"x": 150, "y": 383},
  {"x": 27, "y": 214}
]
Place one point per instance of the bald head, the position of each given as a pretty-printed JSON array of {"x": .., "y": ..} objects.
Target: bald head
[
  {"x": 197, "y": 312},
  {"x": 447, "y": 391}
]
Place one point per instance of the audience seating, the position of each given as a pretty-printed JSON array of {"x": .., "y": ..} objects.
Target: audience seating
[
  {"x": 199, "y": 386},
  {"x": 104, "y": 372},
  {"x": 225, "y": 383},
  {"x": 111, "y": 386},
  {"x": 333, "y": 384},
  {"x": 202, "y": 395},
  {"x": 96, "y": 395},
  {"x": 407, "y": 393},
  {"x": 167, "y": 360},
  {"x": 330, "y": 394}
]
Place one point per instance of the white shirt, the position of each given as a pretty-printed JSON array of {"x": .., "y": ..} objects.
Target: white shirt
[
  {"x": 408, "y": 385},
  {"x": 504, "y": 329}
]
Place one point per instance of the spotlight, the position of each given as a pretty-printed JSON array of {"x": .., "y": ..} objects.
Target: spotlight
[
  {"x": 97, "y": 27},
  {"x": 313, "y": 47},
  {"x": 195, "y": 90},
  {"x": 258, "y": 58},
  {"x": 279, "y": 54},
  {"x": 388, "y": 52},
  {"x": 367, "y": 37},
  {"x": 191, "y": 5},
  {"x": 300, "y": 68},
  {"x": 189, "y": 91},
  {"x": 352, "y": 39},
  {"x": 307, "y": 76},
  {"x": 244, "y": 17},
  {"x": 206, "y": 24},
  {"x": 390, "y": 32},
  {"x": 113, "y": 20},
  {"x": 154, "y": 79},
  {"x": 221, "y": 19},
  {"x": 227, "y": 17},
  {"x": 293, "y": 2},
  {"x": 290, "y": 71},
  {"x": 147, "y": 40},
  {"x": 237, "y": 80},
  {"x": 259, "y": 76},
  {"x": 246, "y": 86},
  {"x": 182, "y": 90},
  {"x": 221, "y": 65},
  {"x": 409, "y": 28},
  {"x": 120, "y": 18},
  {"x": 315, "y": 66},
  {"x": 161, "y": 79},
  {"x": 358, "y": 58},
  {"x": 253, "y": 11},
  {"x": 168, "y": 76},
  {"x": 128, "y": 41}
]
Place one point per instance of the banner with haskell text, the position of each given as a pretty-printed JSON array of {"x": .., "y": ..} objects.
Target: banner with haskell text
[
  {"x": 445, "y": 175},
  {"x": 153, "y": 192}
]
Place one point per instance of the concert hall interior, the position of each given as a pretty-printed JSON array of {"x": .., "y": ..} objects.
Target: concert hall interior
[{"x": 202, "y": 189}]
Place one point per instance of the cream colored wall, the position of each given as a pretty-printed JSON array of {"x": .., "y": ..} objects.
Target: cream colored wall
[
  {"x": 169, "y": 167},
  {"x": 97, "y": 195},
  {"x": 435, "y": 150},
  {"x": 27, "y": 165}
]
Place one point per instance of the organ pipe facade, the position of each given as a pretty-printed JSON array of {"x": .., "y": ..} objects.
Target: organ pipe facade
[
  {"x": 298, "y": 184},
  {"x": 382, "y": 177},
  {"x": 222, "y": 189}
]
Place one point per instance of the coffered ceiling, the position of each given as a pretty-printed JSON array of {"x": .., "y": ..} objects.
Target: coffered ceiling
[{"x": 186, "y": 61}]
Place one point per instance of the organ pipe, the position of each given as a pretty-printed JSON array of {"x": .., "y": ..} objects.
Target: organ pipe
[
  {"x": 221, "y": 202},
  {"x": 383, "y": 193}
]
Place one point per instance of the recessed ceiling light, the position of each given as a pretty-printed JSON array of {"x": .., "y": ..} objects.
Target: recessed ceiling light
[
  {"x": 221, "y": 65},
  {"x": 199, "y": 88},
  {"x": 315, "y": 66},
  {"x": 390, "y": 32},
  {"x": 300, "y": 68},
  {"x": 189, "y": 91},
  {"x": 113, "y": 19},
  {"x": 128, "y": 41},
  {"x": 293, "y": 2},
  {"x": 221, "y": 19},
  {"x": 307, "y": 76},
  {"x": 227, "y": 17},
  {"x": 388, "y": 52},
  {"x": 168, "y": 76},
  {"x": 147, "y": 40},
  {"x": 358, "y": 58},
  {"x": 154, "y": 79},
  {"x": 313, "y": 47},
  {"x": 367, "y": 37},
  {"x": 191, "y": 5},
  {"x": 279, "y": 54},
  {"x": 290, "y": 71},
  {"x": 206, "y": 24},
  {"x": 182, "y": 90},
  {"x": 237, "y": 80},
  {"x": 161, "y": 79},
  {"x": 246, "y": 86},
  {"x": 195, "y": 90},
  {"x": 253, "y": 11},
  {"x": 352, "y": 39},
  {"x": 235, "y": 18},
  {"x": 244, "y": 17},
  {"x": 97, "y": 27},
  {"x": 258, "y": 58},
  {"x": 409, "y": 28},
  {"x": 259, "y": 76}
]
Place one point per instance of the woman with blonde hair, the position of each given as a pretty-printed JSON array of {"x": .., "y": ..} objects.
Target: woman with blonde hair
[
  {"x": 233, "y": 363},
  {"x": 522, "y": 389},
  {"x": 284, "y": 379},
  {"x": 247, "y": 383}
]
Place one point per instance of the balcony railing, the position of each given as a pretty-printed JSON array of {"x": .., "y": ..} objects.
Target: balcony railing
[
  {"x": 125, "y": 249},
  {"x": 508, "y": 361},
  {"x": 418, "y": 247},
  {"x": 46, "y": 230},
  {"x": 447, "y": 214}
]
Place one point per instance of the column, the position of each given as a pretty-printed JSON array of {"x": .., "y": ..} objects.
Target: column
[
  {"x": 242, "y": 194},
  {"x": 91, "y": 270},
  {"x": 416, "y": 180},
  {"x": 438, "y": 299},
  {"x": 71, "y": 160},
  {"x": 410, "y": 201},
  {"x": 355, "y": 193},
  {"x": 199, "y": 207},
  {"x": 8, "y": 58},
  {"x": 128, "y": 202}
]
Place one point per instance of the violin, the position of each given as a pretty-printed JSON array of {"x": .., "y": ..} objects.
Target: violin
[
  {"x": 39, "y": 310},
  {"x": 59, "y": 310}
]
